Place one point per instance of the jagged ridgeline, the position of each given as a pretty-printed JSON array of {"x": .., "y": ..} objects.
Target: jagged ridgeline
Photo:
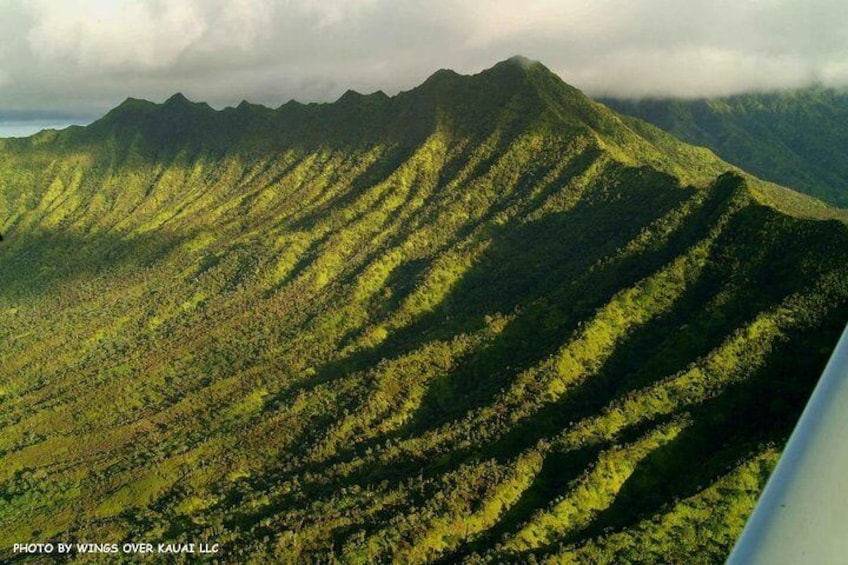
[{"x": 484, "y": 320}]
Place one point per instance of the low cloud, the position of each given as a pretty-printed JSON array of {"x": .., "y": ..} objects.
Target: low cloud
[
  {"x": 700, "y": 71},
  {"x": 85, "y": 56}
]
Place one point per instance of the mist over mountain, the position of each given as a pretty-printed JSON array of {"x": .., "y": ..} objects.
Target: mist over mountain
[
  {"x": 794, "y": 137},
  {"x": 484, "y": 320}
]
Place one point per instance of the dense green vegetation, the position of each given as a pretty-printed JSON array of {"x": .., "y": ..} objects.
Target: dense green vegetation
[
  {"x": 486, "y": 320},
  {"x": 795, "y": 138}
]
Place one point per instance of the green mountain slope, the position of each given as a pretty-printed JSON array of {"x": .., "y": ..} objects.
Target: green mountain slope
[
  {"x": 485, "y": 320},
  {"x": 796, "y": 138}
]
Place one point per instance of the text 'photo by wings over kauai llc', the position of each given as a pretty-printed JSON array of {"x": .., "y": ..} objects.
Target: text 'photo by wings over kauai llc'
[{"x": 468, "y": 316}]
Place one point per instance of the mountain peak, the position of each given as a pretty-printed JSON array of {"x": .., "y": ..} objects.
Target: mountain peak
[
  {"x": 177, "y": 99},
  {"x": 292, "y": 103},
  {"x": 517, "y": 63},
  {"x": 129, "y": 107},
  {"x": 442, "y": 75},
  {"x": 131, "y": 102},
  {"x": 245, "y": 106},
  {"x": 521, "y": 61},
  {"x": 180, "y": 104},
  {"x": 350, "y": 95}
]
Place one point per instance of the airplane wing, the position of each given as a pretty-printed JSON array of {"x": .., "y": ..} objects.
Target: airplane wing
[{"x": 802, "y": 514}]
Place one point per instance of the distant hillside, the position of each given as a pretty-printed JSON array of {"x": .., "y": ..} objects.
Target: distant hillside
[
  {"x": 796, "y": 138},
  {"x": 485, "y": 320}
]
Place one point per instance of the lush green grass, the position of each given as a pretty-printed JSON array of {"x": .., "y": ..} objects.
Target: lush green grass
[
  {"x": 485, "y": 320},
  {"x": 795, "y": 138}
]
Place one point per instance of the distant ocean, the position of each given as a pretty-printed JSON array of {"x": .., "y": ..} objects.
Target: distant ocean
[{"x": 24, "y": 128}]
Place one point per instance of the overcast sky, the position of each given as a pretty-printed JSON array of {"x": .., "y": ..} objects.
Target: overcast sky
[{"x": 61, "y": 58}]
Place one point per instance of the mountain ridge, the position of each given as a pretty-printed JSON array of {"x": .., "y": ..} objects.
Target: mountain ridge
[
  {"x": 791, "y": 137},
  {"x": 528, "y": 84}
]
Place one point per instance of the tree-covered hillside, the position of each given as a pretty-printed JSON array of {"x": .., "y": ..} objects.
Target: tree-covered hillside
[
  {"x": 796, "y": 138},
  {"x": 484, "y": 321}
]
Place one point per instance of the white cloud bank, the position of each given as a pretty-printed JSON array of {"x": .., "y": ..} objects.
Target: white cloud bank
[{"x": 84, "y": 56}]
